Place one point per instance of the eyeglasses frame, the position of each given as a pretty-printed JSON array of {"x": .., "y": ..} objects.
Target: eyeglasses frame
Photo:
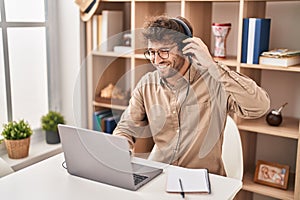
[{"x": 167, "y": 50}]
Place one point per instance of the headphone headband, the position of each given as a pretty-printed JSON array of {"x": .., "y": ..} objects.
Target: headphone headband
[{"x": 187, "y": 30}]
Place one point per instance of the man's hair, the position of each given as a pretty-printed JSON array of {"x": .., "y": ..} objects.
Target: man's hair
[{"x": 166, "y": 30}]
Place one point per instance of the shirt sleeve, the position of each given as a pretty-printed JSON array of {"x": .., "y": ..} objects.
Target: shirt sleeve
[
  {"x": 134, "y": 123},
  {"x": 244, "y": 96}
]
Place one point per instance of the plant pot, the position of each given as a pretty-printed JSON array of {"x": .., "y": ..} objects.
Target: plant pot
[
  {"x": 52, "y": 137},
  {"x": 17, "y": 149}
]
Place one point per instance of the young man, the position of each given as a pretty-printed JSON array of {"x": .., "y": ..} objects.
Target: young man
[{"x": 182, "y": 106}]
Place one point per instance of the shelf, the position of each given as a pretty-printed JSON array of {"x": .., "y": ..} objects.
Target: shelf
[
  {"x": 288, "y": 129},
  {"x": 229, "y": 61},
  {"x": 251, "y": 186},
  {"x": 295, "y": 68},
  {"x": 189, "y": 0},
  {"x": 116, "y": 0},
  {"x": 112, "y": 54},
  {"x": 157, "y": 1},
  {"x": 139, "y": 56},
  {"x": 107, "y": 105}
]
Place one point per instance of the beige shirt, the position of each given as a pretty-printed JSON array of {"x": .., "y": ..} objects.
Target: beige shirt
[{"x": 187, "y": 121}]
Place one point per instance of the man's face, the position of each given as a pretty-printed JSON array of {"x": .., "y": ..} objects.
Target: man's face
[{"x": 166, "y": 58}]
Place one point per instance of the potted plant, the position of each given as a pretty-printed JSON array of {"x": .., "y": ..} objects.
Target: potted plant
[
  {"x": 17, "y": 138},
  {"x": 49, "y": 124}
]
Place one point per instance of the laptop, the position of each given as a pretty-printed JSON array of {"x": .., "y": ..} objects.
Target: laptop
[{"x": 103, "y": 158}]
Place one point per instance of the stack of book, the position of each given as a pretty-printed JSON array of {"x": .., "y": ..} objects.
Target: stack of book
[
  {"x": 255, "y": 39},
  {"x": 105, "y": 121},
  {"x": 280, "y": 57},
  {"x": 107, "y": 30}
]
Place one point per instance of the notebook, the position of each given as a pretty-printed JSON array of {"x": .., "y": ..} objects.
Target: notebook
[
  {"x": 103, "y": 158},
  {"x": 181, "y": 179}
]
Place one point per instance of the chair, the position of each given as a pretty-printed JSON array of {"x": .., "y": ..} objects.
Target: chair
[
  {"x": 5, "y": 169},
  {"x": 232, "y": 152}
]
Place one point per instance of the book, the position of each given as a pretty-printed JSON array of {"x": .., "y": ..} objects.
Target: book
[
  {"x": 99, "y": 26},
  {"x": 111, "y": 30},
  {"x": 192, "y": 180},
  {"x": 96, "y": 124},
  {"x": 279, "y": 61},
  {"x": 97, "y": 116},
  {"x": 281, "y": 53},
  {"x": 101, "y": 119},
  {"x": 255, "y": 39},
  {"x": 123, "y": 49},
  {"x": 95, "y": 31},
  {"x": 111, "y": 123}
]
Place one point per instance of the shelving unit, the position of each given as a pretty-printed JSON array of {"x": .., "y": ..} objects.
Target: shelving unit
[
  {"x": 125, "y": 71},
  {"x": 290, "y": 128}
]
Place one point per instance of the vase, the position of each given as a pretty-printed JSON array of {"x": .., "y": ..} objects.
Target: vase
[
  {"x": 52, "y": 137},
  {"x": 17, "y": 149},
  {"x": 220, "y": 32}
]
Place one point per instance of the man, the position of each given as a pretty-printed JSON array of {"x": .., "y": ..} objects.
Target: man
[{"x": 182, "y": 106}]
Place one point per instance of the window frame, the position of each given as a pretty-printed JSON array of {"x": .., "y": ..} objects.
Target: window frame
[{"x": 53, "y": 75}]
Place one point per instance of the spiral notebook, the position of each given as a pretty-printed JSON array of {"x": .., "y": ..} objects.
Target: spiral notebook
[{"x": 192, "y": 180}]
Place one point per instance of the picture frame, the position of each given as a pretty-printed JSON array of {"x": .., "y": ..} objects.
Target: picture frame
[{"x": 272, "y": 174}]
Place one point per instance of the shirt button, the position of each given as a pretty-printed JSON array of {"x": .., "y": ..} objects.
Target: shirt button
[
  {"x": 177, "y": 131},
  {"x": 174, "y": 112}
]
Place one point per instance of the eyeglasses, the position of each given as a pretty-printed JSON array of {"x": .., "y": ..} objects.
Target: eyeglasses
[{"x": 163, "y": 53}]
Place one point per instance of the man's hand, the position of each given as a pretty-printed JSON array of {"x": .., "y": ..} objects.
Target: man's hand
[{"x": 198, "y": 51}]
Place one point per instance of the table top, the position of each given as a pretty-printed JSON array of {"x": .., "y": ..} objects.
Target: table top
[{"x": 49, "y": 180}]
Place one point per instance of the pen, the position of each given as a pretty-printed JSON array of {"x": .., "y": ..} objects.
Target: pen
[{"x": 182, "y": 192}]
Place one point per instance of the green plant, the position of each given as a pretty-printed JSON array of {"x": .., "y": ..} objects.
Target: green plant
[
  {"x": 51, "y": 120},
  {"x": 16, "y": 130}
]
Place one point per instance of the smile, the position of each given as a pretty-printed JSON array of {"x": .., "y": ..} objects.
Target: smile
[{"x": 162, "y": 66}]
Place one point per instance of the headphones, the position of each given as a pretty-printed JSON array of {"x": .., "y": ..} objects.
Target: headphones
[{"x": 187, "y": 30}]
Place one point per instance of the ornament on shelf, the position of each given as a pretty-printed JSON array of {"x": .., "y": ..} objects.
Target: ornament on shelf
[
  {"x": 220, "y": 32},
  {"x": 113, "y": 92},
  {"x": 274, "y": 117}
]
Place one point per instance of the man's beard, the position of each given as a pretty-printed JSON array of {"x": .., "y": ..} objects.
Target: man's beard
[{"x": 169, "y": 69}]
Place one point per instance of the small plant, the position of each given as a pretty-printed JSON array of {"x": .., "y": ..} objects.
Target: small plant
[
  {"x": 16, "y": 130},
  {"x": 51, "y": 120}
]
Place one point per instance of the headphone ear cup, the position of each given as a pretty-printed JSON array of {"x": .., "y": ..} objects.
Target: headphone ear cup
[{"x": 187, "y": 30}]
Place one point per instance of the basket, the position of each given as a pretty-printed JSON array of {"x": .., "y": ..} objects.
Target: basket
[{"x": 17, "y": 148}]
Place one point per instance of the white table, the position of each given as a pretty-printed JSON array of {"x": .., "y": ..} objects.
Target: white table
[{"x": 49, "y": 180}]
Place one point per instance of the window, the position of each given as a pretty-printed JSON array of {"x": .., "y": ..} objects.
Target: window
[{"x": 24, "y": 61}]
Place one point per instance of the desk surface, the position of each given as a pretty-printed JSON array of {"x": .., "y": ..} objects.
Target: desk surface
[{"x": 49, "y": 180}]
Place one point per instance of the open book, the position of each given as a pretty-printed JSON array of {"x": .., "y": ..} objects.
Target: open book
[{"x": 192, "y": 180}]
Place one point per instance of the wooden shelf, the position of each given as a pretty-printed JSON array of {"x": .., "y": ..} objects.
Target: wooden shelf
[
  {"x": 229, "y": 61},
  {"x": 107, "y": 105},
  {"x": 295, "y": 68},
  {"x": 191, "y": 0},
  {"x": 112, "y": 54},
  {"x": 289, "y": 127},
  {"x": 116, "y": 0},
  {"x": 251, "y": 186}
]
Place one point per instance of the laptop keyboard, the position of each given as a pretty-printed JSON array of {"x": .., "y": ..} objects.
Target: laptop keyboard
[{"x": 138, "y": 178}]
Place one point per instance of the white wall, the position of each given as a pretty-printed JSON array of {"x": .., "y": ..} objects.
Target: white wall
[{"x": 72, "y": 80}]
